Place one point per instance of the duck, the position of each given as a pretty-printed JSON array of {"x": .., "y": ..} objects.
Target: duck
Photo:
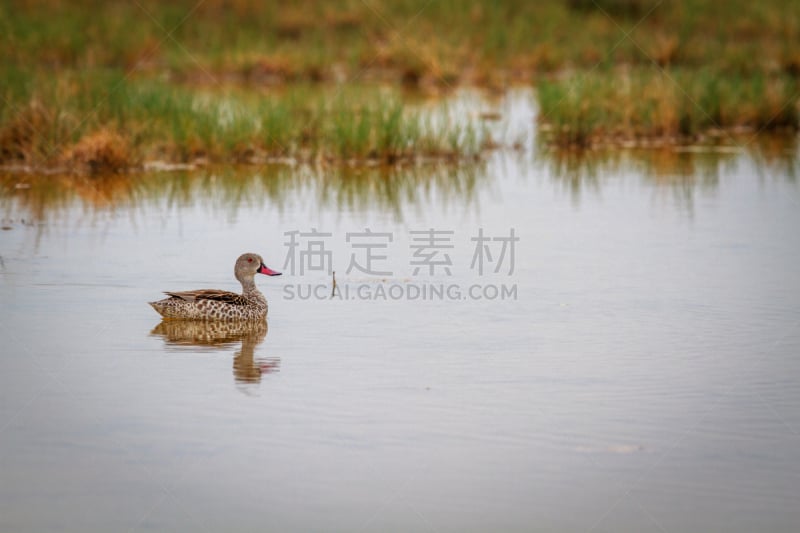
[{"x": 212, "y": 304}]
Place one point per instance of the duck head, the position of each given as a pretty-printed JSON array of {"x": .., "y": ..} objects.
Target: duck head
[{"x": 248, "y": 265}]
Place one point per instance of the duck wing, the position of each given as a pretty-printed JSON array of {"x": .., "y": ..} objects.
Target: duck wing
[{"x": 209, "y": 294}]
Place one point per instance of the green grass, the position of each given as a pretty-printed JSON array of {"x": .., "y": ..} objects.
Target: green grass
[
  {"x": 185, "y": 80},
  {"x": 441, "y": 42},
  {"x": 155, "y": 120},
  {"x": 669, "y": 106}
]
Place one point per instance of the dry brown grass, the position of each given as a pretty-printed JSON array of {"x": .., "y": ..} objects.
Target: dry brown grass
[
  {"x": 21, "y": 135},
  {"x": 664, "y": 49},
  {"x": 101, "y": 152}
]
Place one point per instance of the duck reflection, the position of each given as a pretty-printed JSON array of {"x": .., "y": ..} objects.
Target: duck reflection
[{"x": 220, "y": 335}]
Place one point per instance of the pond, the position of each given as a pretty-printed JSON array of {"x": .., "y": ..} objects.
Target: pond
[{"x": 535, "y": 342}]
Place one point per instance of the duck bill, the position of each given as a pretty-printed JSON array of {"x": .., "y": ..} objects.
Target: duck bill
[{"x": 264, "y": 269}]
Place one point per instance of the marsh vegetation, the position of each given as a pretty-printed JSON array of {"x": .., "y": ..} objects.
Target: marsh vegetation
[{"x": 97, "y": 87}]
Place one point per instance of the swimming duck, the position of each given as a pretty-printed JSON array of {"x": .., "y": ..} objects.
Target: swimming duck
[{"x": 212, "y": 304}]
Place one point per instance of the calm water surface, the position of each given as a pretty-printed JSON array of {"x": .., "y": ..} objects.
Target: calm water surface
[{"x": 645, "y": 378}]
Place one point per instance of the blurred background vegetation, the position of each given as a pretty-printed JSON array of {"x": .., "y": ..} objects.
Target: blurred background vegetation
[{"x": 95, "y": 84}]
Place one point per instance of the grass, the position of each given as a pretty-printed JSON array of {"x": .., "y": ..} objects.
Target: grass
[
  {"x": 443, "y": 42},
  {"x": 151, "y": 79},
  {"x": 653, "y": 106},
  {"x": 105, "y": 123}
]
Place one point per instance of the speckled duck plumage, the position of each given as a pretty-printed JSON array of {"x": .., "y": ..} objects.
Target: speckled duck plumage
[{"x": 212, "y": 304}]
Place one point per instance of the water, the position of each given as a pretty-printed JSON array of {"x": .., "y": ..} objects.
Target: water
[{"x": 643, "y": 379}]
